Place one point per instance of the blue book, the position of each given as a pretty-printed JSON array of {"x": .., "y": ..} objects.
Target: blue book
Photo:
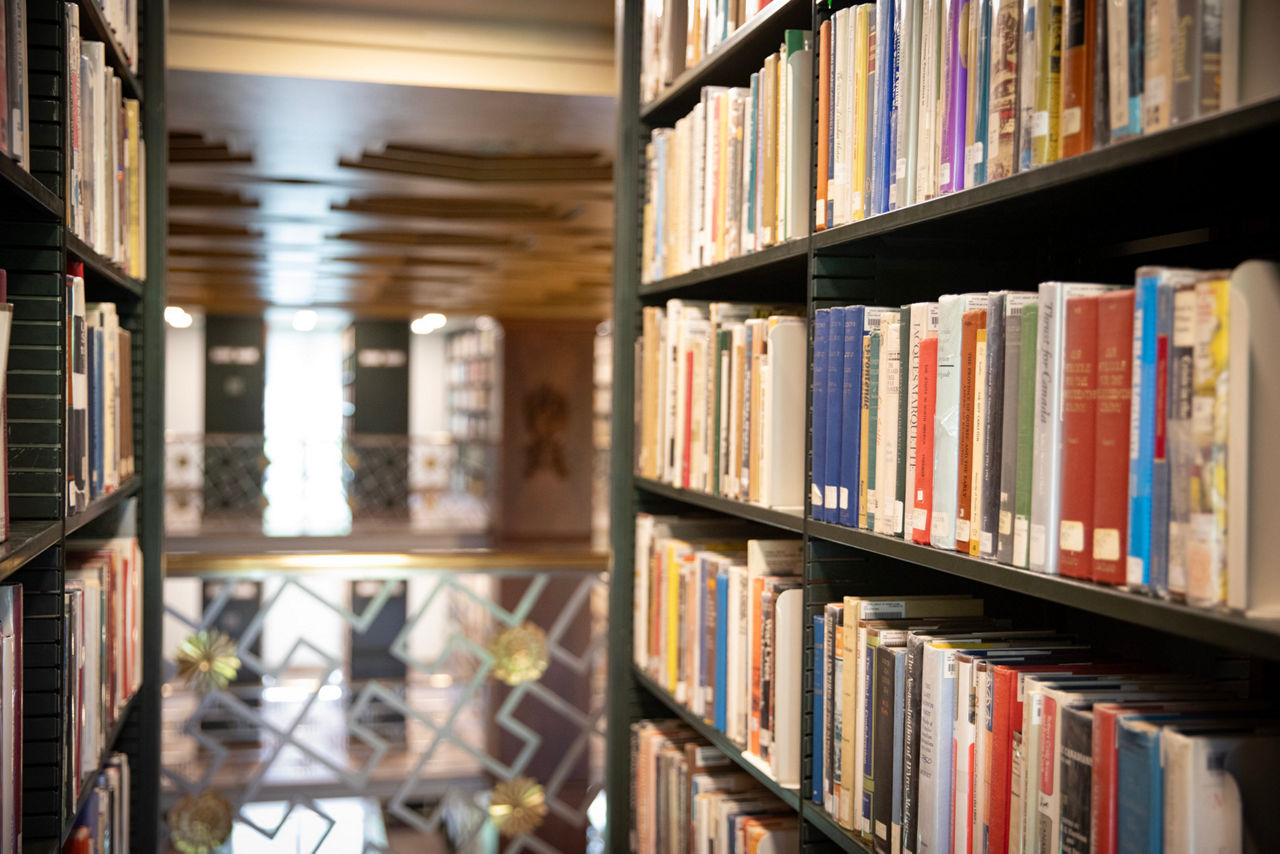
[
  {"x": 851, "y": 435},
  {"x": 818, "y": 482},
  {"x": 819, "y": 724},
  {"x": 96, "y": 412},
  {"x": 894, "y": 44},
  {"x": 1139, "y": 788},
  {"x": 981, "y": 68},
  {"x": 722, "y": 649},
  {"x": 835, "y": 388},
  {"x": 1160, "y": 443},
  {"x": 1137, "y": 68},
  {"x": 749, "y": 227},
  {"x": 1142, "y": 419},
  {"x": 880, "y": 150}
]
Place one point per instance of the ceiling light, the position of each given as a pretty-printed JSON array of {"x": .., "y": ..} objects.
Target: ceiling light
[
  {"x": 484, "y": 321},
  {"x": 428, "y": 323},
  {"x": 304, "y": 320},
  {"x": 177, "y": 317}
]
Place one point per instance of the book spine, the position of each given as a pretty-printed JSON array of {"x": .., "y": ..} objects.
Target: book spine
[
  {"x": 911, "y": 742},
  {"x": 922, "y": 503},
  {"x": 1160, "y": 443},
  {"x": 1028, "y": 74},
  {"x": 927, "y": 102},
  {"x": 978, "y": 113},
  {"x": 818, "y": 772},
  {"x": 1045, "y": 121},
  {"x": 888, "y": 411},
  {"x": 979, "y": 425},
  {"x": 1141, "y": 432},
  {"x": 1030, "y": 323},
  {"x": 894, "y": 123},
  {"x": 851, "y": 432},
  {"x": 1139, "y": 792},
  {"x": 946, "y": 424},
  {"x": 873, "y": 428},
  {"x": 909, "y": 119},
  {"x": 818, "y": 430},
  {"x": 903, "y": 450},
  {"x": 1184, "y": 61},
  {"x": 835, "y": 411},
  {"x": 1076, "y": 125},
  {"x": 768, "y": 650},
  {"x": 1211, "y": 58},
  {"x": 1110, "y": 498},
  {"x": 720, "y": 690},
  {"x": 1101, "y": 76},
  {"x": 1043, "y": 538},
  {"x": 1076, "y": 774},
  {"x": 824, "y": 117},
  {"x": 839, "y": 789},
  {"x": 830, "y": 705},
  {"x": 864, "y": 429},
  {"x": 1157, "y": 65},
  {"x": 1181, "y": 450},
  {"x": 1002, "y": 703},
  {"x": 971, "y": 321},
  {"x": 993, "y": 430},
  {"x": 1206, "y": 543},
  {"x": 1002, "y": 120},
  {"x": 914, "y": 326},
  {"x": 865, "y": 178},
  {"x": 1079, "y": 420},
  {"x": 882, "y": 795},
  {"x": 951, "y": 165}
]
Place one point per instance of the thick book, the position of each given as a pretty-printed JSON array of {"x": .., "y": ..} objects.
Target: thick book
[
  {"x": 1180, "y": 384},
  {"x": 886, "y": 807},
  {"x": 1211, "y": 408},
  {"x": 1030, "y": 323},
  {"x": 835, "y": 414},
  {"x": 947, "y": 415},
  {"x": 1045, "y": 144},
  {"x": 1002, "y": 119},
  {"x": 956, "y": 83},
  {"x": 1125, "y": 71},
  {"x": 973, "y": 322},
  {"x": 1157, "y": 61},
  {"x": 825, "y": 66},
  {"x": 1079, "y": 423},
  {"x": 1078, "y": 44},
  {"x": 832, "y": 659},
  {"x": 922, "y": 503},
  {"x": 886, "y": 61},
  {"x": 1076, "y": 773},
  {"x": 818, "y": 431},
  {"x": 888, "y": 411},
  {"x": 902, "y": 448},
  {"x": 1142, "y": 421},
  {"x": 785, "y": 683},
  {"x": 991, "y": 436},
  {"x": 782, "y": 445},
  {"x": 921, "y": 322},
  {"x": 863, "y": 112},
  {"x": 1111, "y": 449},
  {"x": 908, "y": 29},
  {"x": 927, "y": 100},
  {"x": 851, "y": 419},
  {"x": 799, "y": 109},
  {"x": 873, "y": 443},
  {"x": 979, "y": 92},
  {"x": 1007, "y": 440}
]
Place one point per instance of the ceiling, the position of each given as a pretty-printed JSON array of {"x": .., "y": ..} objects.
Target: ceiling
[{"x": 388, "y": 199}]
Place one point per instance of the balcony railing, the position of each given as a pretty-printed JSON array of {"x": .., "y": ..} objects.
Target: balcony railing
[{"x": 316, "y": 698}]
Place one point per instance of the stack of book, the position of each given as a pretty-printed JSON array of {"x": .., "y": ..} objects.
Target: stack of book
[
  {"x": 1084, "y": 430},
  {"x": 721, "y": 400},
  {"x": 688, "y": 796},
  {"x": 100, "y": 449},
  {"x": 919, "y": 98},
  {"x": 102, "y": 826},
  {"x": 106, "y": 190},
  {"x": 102, "y": 624},
  {"x": 715, "y": 613},
  {"x": 11, "y": 717},
  {"x": 678, "y": 34},
  {"x": 943, "y": 730},
  {"x": 732, "y": 177}
]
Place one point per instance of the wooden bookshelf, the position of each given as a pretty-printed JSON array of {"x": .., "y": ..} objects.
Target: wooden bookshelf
[{"x": 1159, "y": 198}]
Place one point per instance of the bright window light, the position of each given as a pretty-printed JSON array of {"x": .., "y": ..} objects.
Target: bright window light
[
  {"x": 305, "y": 320},
  {"x": 176, "y": 317}
]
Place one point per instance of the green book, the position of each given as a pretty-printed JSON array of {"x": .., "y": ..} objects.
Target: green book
[
  {"x": 1026, "y": 432},
  {"x": 873, "y": 507}
]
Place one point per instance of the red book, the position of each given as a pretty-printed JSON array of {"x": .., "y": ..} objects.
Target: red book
[
  {"x": 757, "y": 634},
  {"x": 1078, "y": 25},
  {"x": 973, "y": 321},
  {"x": 824, "y": 107},
  {"x": 1079, "y": 390},
  {"x": 1111, "y": 449},
  {"x": 922, "y": 515}
]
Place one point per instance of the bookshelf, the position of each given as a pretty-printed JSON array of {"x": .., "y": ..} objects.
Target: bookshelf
[
  {"x": 35, "y": 249},
  {"x": 1098, "y": 216}
]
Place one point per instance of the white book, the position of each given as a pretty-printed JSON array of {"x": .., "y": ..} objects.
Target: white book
[
  {"x": 888, "y": 516},
  {"x": 839, "y": 92},
  {"x": 698, "y": 159},
  {"x": 799, "y": 162},
  {"x": 736, "y": 661},
  {"x": 849, "y": 190},
  {"x": 909, "y": 99},
  {"x": 784, "y": 414},
  {"x": 1046, "y": 470},
  {"x": 963, "y": 734},
  {"x": 937, "y": 720},
  {"x": 927, "y": 103},
  {"x": 661, "y": 376},
  {"x": 946, "y": 420},
  {"x": 784, "y": 752},
  {"x": 699, "y": 386},
  {"x": 737, "y": 344}
]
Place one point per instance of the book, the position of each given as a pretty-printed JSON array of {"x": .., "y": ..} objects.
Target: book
[
  {"x": 922, "y": 516},
  {"x": 989, "y": 439},
  {"x": 822, "y": 675},
  {"x": 921, "y": 322},
  {"x": 955, "y": 67},
  {"x": 818, "y": 473},
  {"x": 1045, "y": 120},
  {"x": 1210, "y": 408},
  {"x": 1002, "y": 121},
  {"x": 872, "y": 408},
  {"x": 849, "y": 494},
  {"x": 1079, "y": 436},
  {"x": 11, "y": 716},
  {"x": 834, "y": 413},
  {"x": 927, "y": 103},
  {"x": 973, "y": 324},
  {"x": 1111, "y": 448},
  {"x": 887, "y": 801},
  {"x": 889, "y": 514},
  {"x": 1126, "y": 29},
  {"x": 1079, "y": 29},
  {"x": 1014, "y": 305}
]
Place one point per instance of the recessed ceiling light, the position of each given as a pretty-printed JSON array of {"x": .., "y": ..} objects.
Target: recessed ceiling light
[
  {"x": 305, "y": 320},
  {"x": 177, "y": 317}
]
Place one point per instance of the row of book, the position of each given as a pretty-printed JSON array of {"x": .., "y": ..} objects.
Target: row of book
[
  {"x": 733, "y": 175},
  {"x": 721, "y": 400},
  {"x": 14, "y": 92},
  {"x": 919, "y": 98},
  {"x": 11, "y": 660},
  {"x": 102, "y": 826},
  {"x": 688, "y": 797},
  {"x": 102, "y": 656},
  {"x": 942, "y": 730},
  {"x": 678, "y": 34},
  {"x": 106, "y": 204},
  {"x": 100, "y": 448},
  {"x": 1080, "y": 430},
  {"x": 714, "y": 613}
]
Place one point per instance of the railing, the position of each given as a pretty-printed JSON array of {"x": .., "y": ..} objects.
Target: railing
[
  {"x": 312, "y": 698},
  {"x": 224, "y": 482}
]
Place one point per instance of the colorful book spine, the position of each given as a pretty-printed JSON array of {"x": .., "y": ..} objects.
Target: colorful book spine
[
  {"x": 1111, "y": 455},
  {"x": 1079, "y": 422},
  {"x": 1008, "y": 441},
  {"x": 1142, "y": 430},
  {"x": 1002, "y": 119},
  {"x": 835, "y": 413},
  {"x": 971, "y": 322},
  {"x": 1210, "y": 413},
  {"x": 818, "y": 430},
  {"x": 1026, "y": 433},
  {"x": 873, "y": 412},
  {"x": 922, "y": 505},
  {"x": 1181, "y": 448},
  {"x": 956, "y": 66},
  {"x": 1048, "y": 96},
  {"x": 991, "y": 466},
  {"x": 1028, "y": 74},
  {"x": 978, "y": 112},
  {"x": 946, "y": 423},
  {"x": 1078, "y": 28},
  {"x": 851, "y": 434}
]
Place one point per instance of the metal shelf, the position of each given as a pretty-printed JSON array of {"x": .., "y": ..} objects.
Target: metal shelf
[
  {"x": 1233, "y": 631},
  {"x": 27, "y": 539},
  {"x": 847, "y": 840},
  {"x": 793, "y": 522},
  {"x": 103, "y": 504},
  {"x": 777, "y": 271},
  {"x": 98, "y": 271},
  {"x": 790, "y": 797},
  {"x": 22, "y": 190}
]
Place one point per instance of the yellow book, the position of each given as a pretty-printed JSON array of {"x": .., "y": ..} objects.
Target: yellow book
[
  {"x": 1045, "y": 146},
  {"x": 862, "y": 59},
  {"x": 132, "y": 163},
  {"x": 768, "y": 213},
  {"x": 1207, "y": 537},
  {"x": 722, "y": 172}
]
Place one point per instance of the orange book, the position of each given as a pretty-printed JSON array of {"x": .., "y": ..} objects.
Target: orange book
[
  {"x": 824, "y": 107},
  {"x": 1079, "y": 437},
  {"x": 973, "y": 321},
  {"x": 1076, "y": 126}
]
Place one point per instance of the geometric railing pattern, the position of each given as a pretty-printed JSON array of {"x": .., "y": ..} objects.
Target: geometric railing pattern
[{"x": 450, "y": 697}]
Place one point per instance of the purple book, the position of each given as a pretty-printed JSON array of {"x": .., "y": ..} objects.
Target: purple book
[{"x": 951, "y": 175}]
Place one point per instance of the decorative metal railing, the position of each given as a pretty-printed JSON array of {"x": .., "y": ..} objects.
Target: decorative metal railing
[{"x": 310, "y": 698}]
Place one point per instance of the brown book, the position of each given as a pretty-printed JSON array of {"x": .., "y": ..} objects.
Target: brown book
[
  {"x": 973, "y": 321},
  {"x": 1079, "y": 391},
  {"x": 1111, "y": 437},
  {"x": 824, "y": 107},
  {"x": 1078, "y": 26}
]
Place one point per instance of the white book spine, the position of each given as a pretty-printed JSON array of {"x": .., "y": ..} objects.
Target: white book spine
[
  {"x": 640, "y": 594},
  {"x": 889, "y": 519},
  {"x": 946, "y": 422},
  {"x": 937, "y": 700}
]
